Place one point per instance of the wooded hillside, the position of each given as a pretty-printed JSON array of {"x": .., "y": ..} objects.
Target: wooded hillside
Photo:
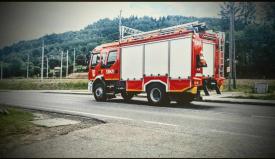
[{"x": 255, "y": 42}]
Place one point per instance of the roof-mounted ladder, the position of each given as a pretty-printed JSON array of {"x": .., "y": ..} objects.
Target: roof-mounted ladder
[
  {"x": 221, "y": 50},
  {"x": 134, "y": 33}
]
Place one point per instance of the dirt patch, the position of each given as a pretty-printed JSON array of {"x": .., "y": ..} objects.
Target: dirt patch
[{"x": 38, "y": 133}]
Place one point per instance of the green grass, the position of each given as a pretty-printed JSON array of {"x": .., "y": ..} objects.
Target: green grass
[
  {"x": 240, "y": 88},
  {"x": 243, "y": 85},
  {"x": 46, "y": 84},
  {"x": 253, "y": 96},
  {"x": 15, "y": 123},
  {"x": 247, "y": 85}
]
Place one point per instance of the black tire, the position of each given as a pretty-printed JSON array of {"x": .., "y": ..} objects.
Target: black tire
[
  {"x": 127, "y": 96},
  {"x": 100, "y": 92},
  {"x": 185, "y": 98},
  {"x": 157, "y": 95}
]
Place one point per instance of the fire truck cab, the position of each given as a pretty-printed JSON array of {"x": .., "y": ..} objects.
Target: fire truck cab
[{"x": 166, "y": 64}]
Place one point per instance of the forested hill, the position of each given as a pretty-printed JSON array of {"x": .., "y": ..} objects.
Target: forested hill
[
  {"x": 102, "y": 31},
  {"x": 254, "y": 41}
]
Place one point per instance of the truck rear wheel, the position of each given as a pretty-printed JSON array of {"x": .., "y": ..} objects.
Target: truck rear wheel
[
  {"x": 100, "y": 92},
  {"x": 156, "y": 95},
  {"x": 127, "y": 96}
]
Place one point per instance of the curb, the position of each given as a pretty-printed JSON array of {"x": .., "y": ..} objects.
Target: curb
[
  {"x": 80, "y": 93},
  {"x": 240, "y": 102}
]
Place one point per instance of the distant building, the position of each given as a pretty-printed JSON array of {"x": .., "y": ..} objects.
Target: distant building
[{"x": 56, "y": 72}]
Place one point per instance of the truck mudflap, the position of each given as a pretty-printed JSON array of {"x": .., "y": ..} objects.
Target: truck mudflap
[{"x": 211, "y": 84}]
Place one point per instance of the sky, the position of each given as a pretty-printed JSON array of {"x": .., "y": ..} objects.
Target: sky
[{"x": 31, "y": 20}]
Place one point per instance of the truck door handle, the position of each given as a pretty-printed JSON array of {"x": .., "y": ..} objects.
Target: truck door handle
[{"x": 116, "y": 71}]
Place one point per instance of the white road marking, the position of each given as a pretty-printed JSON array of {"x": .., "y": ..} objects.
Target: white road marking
[
  {"x": 77, "y": 112},
  {"x": 153, "y": 122},
  {"x": 266, "y": 117},
  {"x": 235, "y": 133},
  {"x": 97, "y": 115}
]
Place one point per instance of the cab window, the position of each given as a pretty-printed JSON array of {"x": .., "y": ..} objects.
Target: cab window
[
  {"x": 111, "y": 58},
  {"x": 95, "y": 60},
  {"x": 103, "y": 59}
]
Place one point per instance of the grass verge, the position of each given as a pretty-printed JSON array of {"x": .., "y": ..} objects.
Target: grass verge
[
  {"x": 268, "y": 96},
  {"x": 15, "y": 123},
  {"x": 46, "y": 84},
  {"x": 247, "y": 85}
]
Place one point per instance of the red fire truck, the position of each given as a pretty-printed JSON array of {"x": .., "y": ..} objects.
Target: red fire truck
[{"x": 167, "y": 64}]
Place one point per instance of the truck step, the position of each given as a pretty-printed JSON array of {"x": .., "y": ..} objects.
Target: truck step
[
  {"x": 110, "y": 86},
  {"x": 110, "y": 95},
  {"x": 206, "y": 92}
]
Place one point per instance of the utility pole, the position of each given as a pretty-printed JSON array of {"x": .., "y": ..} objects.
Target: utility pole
[
  {"x": 119, "y": 27},
  {"x": 74, "y": 61},
  {"x": 42, "y": 61},
  {"x": 234, "y": 53},
  {"x": 1, "y": 70},
  {"x": 61, "y": 64},
  {"x": 47, "y": 67},
  {"x": 67, "y": 69},
  {"x": 230, "y": 45},
  {"x": 28, "y": 66}
]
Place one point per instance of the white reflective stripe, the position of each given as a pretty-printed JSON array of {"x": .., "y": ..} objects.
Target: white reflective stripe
[{"x": 144, "y": 86}]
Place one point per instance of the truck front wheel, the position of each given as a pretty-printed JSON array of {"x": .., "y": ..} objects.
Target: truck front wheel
[
  {"x": 127, "y": 96},
  {"x": 156, "y": 95},
  {"x": 100, "y": 92}
]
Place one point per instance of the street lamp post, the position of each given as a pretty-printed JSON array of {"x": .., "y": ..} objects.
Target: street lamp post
[
  {"x": 47, "y": 67},
  {"x": 67, "y": 68},
  {"x": 1, "y": 70},
  {"x": 42, "y": 61},
  {"x": 61, "y": 64},
  {"x": 74, "y": 61},
  {"x": 119, "y": 27},
  {"x": 28, "y": 66}
]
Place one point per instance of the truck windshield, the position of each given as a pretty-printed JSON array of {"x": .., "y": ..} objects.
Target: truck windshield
[{"x": 95, "y": 60}]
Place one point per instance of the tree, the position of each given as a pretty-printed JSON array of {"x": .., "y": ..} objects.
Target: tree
[
  {"x": 247, "y": 13},
  {"x": 244, "y": 13}
]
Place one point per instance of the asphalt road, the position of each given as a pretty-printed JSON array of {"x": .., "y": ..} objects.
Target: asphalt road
[{"x": 200, "y": 129}]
